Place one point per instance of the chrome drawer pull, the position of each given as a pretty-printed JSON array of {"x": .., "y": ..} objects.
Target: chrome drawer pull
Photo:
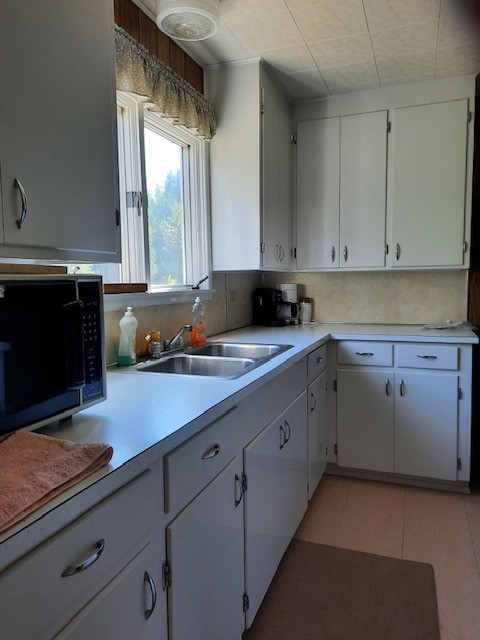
[
  {"x": 84, "y": 564},
  {"x": 427, "y": 357},
  {"x": 211, "y": 453},
  {"x": 364, "y": 353},
  {"x": 288, "y": 431},
  {"x": 153, "y": 590},
  {"x": 332, "y": 254},
  {"x": 23, "y": 216},
  {"x": 238, "y": 482},
  {"x": 312, "y": 407},
  {"x": 283, "y": 438}
]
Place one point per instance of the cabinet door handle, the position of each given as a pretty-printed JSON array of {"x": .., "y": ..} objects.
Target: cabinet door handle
[
  {"x": 283, "y": 439},
  {"x": 397, "y": 251},
  {"x": 387, "y": 387},
  {"x": 427, "y": 357},
  {"x": 239, "y": 484},
  {"x": 364, "y": 353},
  {"x": 153, "y": 590},
  {"x": 345, "y": 253},
  {"x": 84, "y": 563},
  {"x": 319, "y": 359},
  {"x": 23, "y": 216},
  {"x": 332, "y": 254},
  {"x": 282, "y": 253},
  {"x": 288, "y": 431},
  {"x": 312, "y": 408},
  {"x": 211, "y": 453},
  {"x": 402, "y": 388}
]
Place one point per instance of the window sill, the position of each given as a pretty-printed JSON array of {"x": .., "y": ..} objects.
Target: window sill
[{"x": 116, "y": 301}]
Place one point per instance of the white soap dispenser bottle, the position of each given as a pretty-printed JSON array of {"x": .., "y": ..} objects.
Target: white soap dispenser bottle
[{"x": 128, "y": 332}]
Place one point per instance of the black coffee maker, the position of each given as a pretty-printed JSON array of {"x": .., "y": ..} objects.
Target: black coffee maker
[{"x": 265, "y": 303}]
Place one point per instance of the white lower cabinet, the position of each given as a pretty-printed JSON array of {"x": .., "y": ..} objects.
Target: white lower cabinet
[
  {"x": 365, "y": 422},
  {"x": 276, "y": 470},
  {"x": 205, "y": 552},
  {"x": 130, "y": 606},
  {"x": 412, "y": 418},
  {"x": 317, "y": 431},
  {"x": 426, "y": 424}
]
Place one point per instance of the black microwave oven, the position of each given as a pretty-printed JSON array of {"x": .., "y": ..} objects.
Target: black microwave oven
[{"x": 52, "y": 361}]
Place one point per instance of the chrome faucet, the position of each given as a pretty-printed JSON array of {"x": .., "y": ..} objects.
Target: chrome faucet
[{"x": 177, "y": 341}]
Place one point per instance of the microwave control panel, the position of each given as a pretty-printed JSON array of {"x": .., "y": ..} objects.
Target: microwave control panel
[{"x": 92, "y": 344}]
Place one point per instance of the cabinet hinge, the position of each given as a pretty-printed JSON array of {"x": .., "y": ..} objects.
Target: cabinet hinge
[
  {"x": 246, "y": 602},
  {"x": 460, "y": 393},
  {"x": 469, "y": 116},
  {"x": 459, "y": 464},
  {"x": 244, "y": 483},
  {"x": 293, "y": 138},
  {"x": 386, "y": 249},
  {"x": 262, "y": 247},
  {"x": 335, "y": 449},
  {"x": 117, "y": 217},
  {"x": 389, "y": 127},
  {"x": 262, "y": 108},
  {"x": 334, "y": 385},
  {"x": 134, "y": 199},
  {"x": 166, "y": 575},
  {"x": 465, "y": 247}
]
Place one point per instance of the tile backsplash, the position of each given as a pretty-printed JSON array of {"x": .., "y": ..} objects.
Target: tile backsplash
[
  {"x": 413, "y": 297},
  {"x": 405, "y": 297}
]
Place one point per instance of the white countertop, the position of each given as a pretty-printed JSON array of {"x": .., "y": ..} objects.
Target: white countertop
[{"x": 147, "y": 414}]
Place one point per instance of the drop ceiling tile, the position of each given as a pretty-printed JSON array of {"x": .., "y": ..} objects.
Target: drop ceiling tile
[
  {"x": 354, "y": 89},
  {"x": 261, "y": 30},
  {"x": 322, "y": 19},
  {"x": 288, "y": 59},
  {"x": 456, "y": 61},
  {"x": 415, "y": 67},
  {"x": 236, "y": 10},
  {"x": 383, "y": 14},
  {"x": 404, "y": 40},
  {"x": 222, "y": 47},
  {"x": 364, "y": 74},
  {"x": 304, "y": 85},
  {"x": 337, "y": 52}
]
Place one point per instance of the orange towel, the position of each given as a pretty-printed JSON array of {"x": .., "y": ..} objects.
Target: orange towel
[{"x": 35, "y": 468}]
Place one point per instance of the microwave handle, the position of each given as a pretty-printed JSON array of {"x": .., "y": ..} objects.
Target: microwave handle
[{"x": 74, "y": 349}]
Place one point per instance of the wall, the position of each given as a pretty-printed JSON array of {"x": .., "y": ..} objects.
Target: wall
[
  {"x": 230, "y": 309},
  {"x": 411, "y": 297}
]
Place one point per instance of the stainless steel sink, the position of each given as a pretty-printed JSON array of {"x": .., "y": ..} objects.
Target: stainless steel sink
[
  {"x": 227, "y": 360},
  {"x": 240, "y": 350},
  {"x": 190, "y": 365}
]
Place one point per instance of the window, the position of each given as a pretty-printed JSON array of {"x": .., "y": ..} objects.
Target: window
[{"x": 165, "y": 236}]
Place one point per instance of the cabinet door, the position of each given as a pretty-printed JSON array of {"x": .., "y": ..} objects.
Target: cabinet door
[
  {"x": 363, "y": 184},
  {"x": 318, "y": 179},
  {"x": 428, "y": 184},
  {"x": 276, "y": 177},
  {"x": 205, "y": 552},
  {"x": 317, "y": 431},
  {"x": 276, "y": 499},
  {"x": 58, "y": 128},
  {"x": 132, "y": 605},
  {"x": 365, "y": 419},
  {"x": 426, "y": 424}
]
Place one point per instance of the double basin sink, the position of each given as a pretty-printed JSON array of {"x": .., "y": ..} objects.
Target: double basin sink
[{"x": 226, "y": 360}]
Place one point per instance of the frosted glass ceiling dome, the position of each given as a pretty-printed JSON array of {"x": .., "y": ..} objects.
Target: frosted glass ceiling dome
[{"x": 188, "y": 19}]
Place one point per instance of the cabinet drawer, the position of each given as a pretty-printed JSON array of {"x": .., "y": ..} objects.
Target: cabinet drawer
[
  {"x": 365, "y": 353},
  {"x": 317, "y": 361},
  {"x": 427, "y": 356},
  {"x": 192, "y": 465},
  {"x": 35, "y": 583}
]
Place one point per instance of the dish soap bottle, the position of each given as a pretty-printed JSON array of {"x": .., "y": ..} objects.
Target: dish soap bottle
[
  {"x": 128, "y": 332},
  {"x": 198, "y": 336}
]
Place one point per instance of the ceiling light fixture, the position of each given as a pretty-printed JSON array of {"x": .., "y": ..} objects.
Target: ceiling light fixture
[{"x": 188, "y": 19}]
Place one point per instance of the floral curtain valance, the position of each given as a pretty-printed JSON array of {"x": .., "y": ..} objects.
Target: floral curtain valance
[{"x": 162, "y": 90}]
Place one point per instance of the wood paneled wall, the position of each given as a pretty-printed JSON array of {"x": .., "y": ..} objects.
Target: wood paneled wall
[{"x": 145, "y": 31}]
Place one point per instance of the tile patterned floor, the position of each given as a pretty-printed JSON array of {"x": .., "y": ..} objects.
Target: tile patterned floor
[{"x": 408, "y": 522}]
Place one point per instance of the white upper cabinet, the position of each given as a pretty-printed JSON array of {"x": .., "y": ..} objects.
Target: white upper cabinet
[
  {"x": 250, "y": 170},
  {"x": 318, "y": 175},
  {"x": 427, "y": 196},
  {"x": 363, "y": 189},
  {"x": 58, "y": 130},
  {"x": 341, "y": 191}
]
